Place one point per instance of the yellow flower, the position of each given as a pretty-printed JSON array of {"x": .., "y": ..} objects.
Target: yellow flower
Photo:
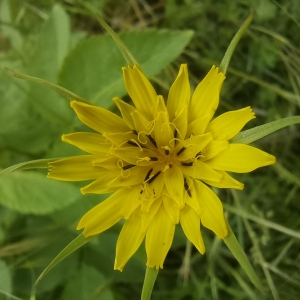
[{"x": 157, "y": 160}]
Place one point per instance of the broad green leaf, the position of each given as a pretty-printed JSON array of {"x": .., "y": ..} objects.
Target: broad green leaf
[
  {"x": 78, "y": 242},
  {"x": 93, "y": 69},
  {"x": 32, "y": 192},
  {"x": 256, "y": 133},
  {"x": 87, "y": 283},
  {"x": 5, "y": 280},
  {"x": 33, "y": 164},
  {"x": 51, "y": 48},
  {"x": 239, "y": 254}
]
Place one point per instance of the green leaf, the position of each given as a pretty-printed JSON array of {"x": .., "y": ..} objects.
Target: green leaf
[
  {"x": 45, "y": 62},
  {"x": 256, "y": 133},
  {"x": 78, "y": 242},
  {"x": 88, "y": 283},
  {"x": 32, "y": 192},
  {"x": 5, "y": 279},
  {"x": 32, "y": 164},
  {"x": 239, "y": 254},
  {"x": 93, "y": 68}
]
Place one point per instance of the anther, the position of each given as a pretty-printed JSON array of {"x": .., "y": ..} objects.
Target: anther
[
  {"x": 153, "y": 158},
  {"x": 148, "y": 175},
  {"x": 187, "y": 188},
  {"x": 154, "y": 177},
  {"x": 175, "y": 133},
  {"x": 167, "y": 151},
  {"x": 134, "y": 132},
  {"x": 152, "y": 140},
  {"x": 180, "y": 151},
  {"x": 187, "y": 164},
  {"x": 128, "y": 167}
]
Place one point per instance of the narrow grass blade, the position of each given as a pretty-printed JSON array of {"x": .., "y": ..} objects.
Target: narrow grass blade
[
  {"x": 256, "y": 133},
  {"x": 78, "y": 242},
  {"x": 58, "y": 89},
  {"x": 240, "y": 255}
]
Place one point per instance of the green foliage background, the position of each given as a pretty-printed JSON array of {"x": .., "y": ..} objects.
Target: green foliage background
[{"x": 61, "y": 42}]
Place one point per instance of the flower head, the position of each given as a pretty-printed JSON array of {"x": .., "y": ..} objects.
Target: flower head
[{"x": 158, "y": 160}]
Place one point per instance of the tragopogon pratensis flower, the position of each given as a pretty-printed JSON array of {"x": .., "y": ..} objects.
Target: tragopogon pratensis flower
[{"x": 158, "y": 160}]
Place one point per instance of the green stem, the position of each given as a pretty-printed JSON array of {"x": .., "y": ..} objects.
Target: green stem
[
  {"x": 150, "y": 277},
  {"x": 229, "y": 52}
]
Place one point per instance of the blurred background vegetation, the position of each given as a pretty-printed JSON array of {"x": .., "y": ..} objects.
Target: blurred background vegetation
[{"x": 62, "y": 42}]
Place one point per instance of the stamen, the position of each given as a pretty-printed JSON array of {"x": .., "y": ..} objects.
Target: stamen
[
  {"x": 187, "y": 188},
  {"x": 152, "y": 140},
  {"x": 180, "y": 151},
  {"x": 132, "y": 143},
  {"x": 148, "y": 175},
  {"x": 154, "y": 177},
  {"x": 167, "y": 151},
  {"x": 134, "y": 132},
  {"x": 153, "y": 158},
  {"x": 187, "y": 164},
  {"x": 128, "y": 167},
  {"x": 175, "y": 134}
]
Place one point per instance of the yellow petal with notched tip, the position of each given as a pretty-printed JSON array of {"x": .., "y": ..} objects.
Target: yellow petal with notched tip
[
  {"x": 190, "y": 223},
  {"x": 226, "y": 182},
  {"x": 93, "y": 143},
  {"x": 159, "y": 238},
  {"x": 129, "y": 240},
  {"x": 98, "y": 118},
  {"x": 140, "y": 90},
  {"x": 229, "y": 124},
  {"x": 212, "y": 216},
  {"x": 172, "y": 208},
  {"x": 179, "y": 93},
  {"x": 76, "y": 168},
  {"x": 241, "y": 158},
  {"x": 205, "y": 99}
]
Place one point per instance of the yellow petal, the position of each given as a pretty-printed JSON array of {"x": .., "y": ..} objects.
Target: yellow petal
[
  {"x": 76, "y": 168},
  {"x": 171, "y": 208},
  {"x": 241, "y": 158},
  {"x": 98, "y": 118},
  {"x": 126, "y": 111},
  {"x": 129, "y": 240},
  {"x": 229, "y": 124},
  {"x": 192, "y": 146},
  {"x": 93, "y": 143},
  {"x": 174, "y": 183},
  {"x": 190, "y": 223},
  {"x": 198, "y": 126},
  {"x": 226, "y": 182},
  {"x": 181, "y": 124},
  {"x": 100, "y": 186},
  {"x": 136, "y": 155},
  {"x": 140, "y": 90},
  {"x": 200, "y": 170},
  {"x": 205, "y": 99},
  {"x": 164, "y": 135},
  {"x": 179, "y": 93},
  {"x": 105, "y": 214},
  {"x": 130, "y": 177},
  {"x": 159, "y": 239},
  {"x": 191, "y": 197},
  {"x": 212, "y": 216},
  {"x": 213, "y": 149}
]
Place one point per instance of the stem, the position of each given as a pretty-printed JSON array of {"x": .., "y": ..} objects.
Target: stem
[{"x": 150, "y": 277}]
